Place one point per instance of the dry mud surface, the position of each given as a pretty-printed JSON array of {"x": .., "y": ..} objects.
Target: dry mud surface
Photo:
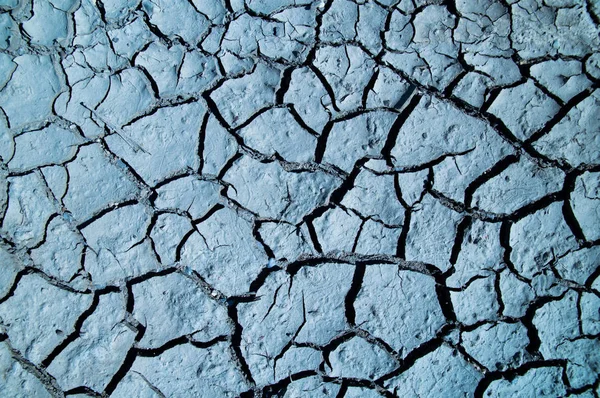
[{"x": 295, "y": 198}]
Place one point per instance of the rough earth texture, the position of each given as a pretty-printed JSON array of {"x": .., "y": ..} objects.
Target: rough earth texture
[{"x": 297, "y": 198}]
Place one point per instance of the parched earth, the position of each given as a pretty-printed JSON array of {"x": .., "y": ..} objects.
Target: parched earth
[{"x": 279, "y": 198}]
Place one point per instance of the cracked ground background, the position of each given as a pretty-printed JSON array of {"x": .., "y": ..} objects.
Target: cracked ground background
[{"x": 299, "y": 199}]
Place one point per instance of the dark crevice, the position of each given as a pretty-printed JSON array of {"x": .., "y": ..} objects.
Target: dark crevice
[
  {"x": 236, "y": 340},
  {"x": 360, "y": 229},
  {"x": 461, "y": 229},
  {"x": 412, "y": 357},
  {"x": 208, "y": 214},
  {"x": 202, "y": 142},
  {"x": 368, "y": 88},
  {"x": 181, "y": 244},
  {"x": 105, "y": 211},
  {"x": 154, "y": 352},
  {"x": 322, "y": 142},
  {"x": 443, "y": 294},
  {"x": 326, "y": 85},
  {"x": 258, "y": 237},
  {"x": 395, "y": 129},
  {"x": 450, "y": 88},
  {"x": 357, "y": 280},
  {"x": 572, "y": 221},
  {"x": 342, "y": 391},
  {"x": 153, "y": 84},
  {"x": 301, "y": 121},
  {"x": 401, "y": 247},
  {"x": 511, "y": 374},
  {"x": 499, "y": 298},
  {"x": 127, "y": 363},
  {"x": 487, "y": 175},
  {"x": 75, "y": 334},
  {"x": 533, "y": 348},
  {"x": 15, "y": 284},
  {"x": 278, "y": 389},
  {"x": 560, "y": 115},
  {"x": 83, "y": 390},
  {"x": 284, "y": 84},
  {"x": 259, "y": 281},
  {"x": 149, "y": 275},
  {"x": 505, "y": 244},
  {"x": 228, "y": 165},
  {"x": 214, "y": 110}
]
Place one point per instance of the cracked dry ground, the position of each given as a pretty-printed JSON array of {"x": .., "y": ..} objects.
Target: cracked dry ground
[{"x": 299, "y": 199}]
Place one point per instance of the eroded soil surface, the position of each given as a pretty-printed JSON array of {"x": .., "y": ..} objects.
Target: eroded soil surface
[{"x": 279, "y": 198}]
